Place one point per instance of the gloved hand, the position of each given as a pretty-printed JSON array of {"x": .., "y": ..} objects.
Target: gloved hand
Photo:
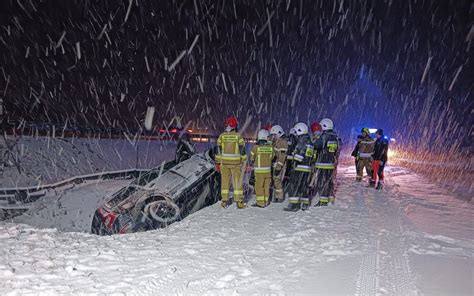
[{"x": 218, "y": 168}]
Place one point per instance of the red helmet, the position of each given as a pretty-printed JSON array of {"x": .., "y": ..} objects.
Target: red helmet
[
  {"x": 316, "y": 127},
  {"x": 231, "y": 122},
  {"x": 267, "y": 127}
]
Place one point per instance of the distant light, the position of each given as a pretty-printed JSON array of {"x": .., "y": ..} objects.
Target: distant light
[
  {"x": 393, "y": 140},
  {"x": 162, "y": 130},
  {"x": 190, "y": 130},
  {"x": 174, "y": 130},
  {"x": 391, "y": 154},
  {"x": 372, "y": 130},
  {"x": 386, "y": 138}
]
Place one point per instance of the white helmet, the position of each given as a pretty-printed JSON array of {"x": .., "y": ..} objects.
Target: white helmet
[
  {"x": 292, "y": 131},
  {"x": 326, "y": 124},
  {"x": 277, "y": 130},
  {"x": 301, "y": 129},
  {"x": 263, "y": 135}
]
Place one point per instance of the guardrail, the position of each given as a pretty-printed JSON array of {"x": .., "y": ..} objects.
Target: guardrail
[{"x": 12, "y": 198}]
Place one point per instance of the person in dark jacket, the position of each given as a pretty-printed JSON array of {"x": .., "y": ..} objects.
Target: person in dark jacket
[
  {"x": 379, "y": 158},
  {"x": 355, "y": 152},
  {"x": 291, "y": 140},
  {"x": 185, "y": 148},
  {"x": 327, "y": 146},
  {"x": 299, "y": 177}
]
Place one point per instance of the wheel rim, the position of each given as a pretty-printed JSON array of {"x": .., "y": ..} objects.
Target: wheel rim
[{"x": 162, "y": 211}]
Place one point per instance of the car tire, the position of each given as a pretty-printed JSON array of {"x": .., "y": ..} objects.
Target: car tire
[{"x": 162, "y": 212}]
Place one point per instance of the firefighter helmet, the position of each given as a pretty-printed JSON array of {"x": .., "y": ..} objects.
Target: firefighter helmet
[
  {"x": 315, "y": 127},
  {"x": 231, "y": 122},
  {"x": 327, "y": 124},
  {"x": 263, "y": 135},
  {"x": 277, "y": 130},
  {"x": 301, "y": 129}
]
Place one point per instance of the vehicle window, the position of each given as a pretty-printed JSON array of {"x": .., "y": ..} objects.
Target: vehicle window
[{"x": 147, "y": 177}]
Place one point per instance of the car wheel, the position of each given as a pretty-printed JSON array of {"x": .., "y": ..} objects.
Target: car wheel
[{"x": 162, "y": 211}]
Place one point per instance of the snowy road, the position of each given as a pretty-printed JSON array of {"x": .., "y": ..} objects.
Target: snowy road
[{"x": 406, "y": 240}]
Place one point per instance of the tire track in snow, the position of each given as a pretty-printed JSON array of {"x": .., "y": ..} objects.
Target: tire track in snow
[
  {"x": 367, "y": 282},
  {"x": 385, "y": 269}
]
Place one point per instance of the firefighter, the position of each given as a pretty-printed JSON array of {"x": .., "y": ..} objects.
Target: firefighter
[
  {"x": 366, "y": 148},
  {"x": 291, "y": 140},
  {"x": 299, "y": 177},
  {"x": 230, "y": 158},
  {"x": 316, "y": 131},
  {"x": 261, "y": 158},
  {"x": 379, "y": 158},
  {"x": 355, "y": 152},
  {"x": 327, "y": 146},
  {"x": 280, "y": 145},
  {"x": 185, "y": 149}
]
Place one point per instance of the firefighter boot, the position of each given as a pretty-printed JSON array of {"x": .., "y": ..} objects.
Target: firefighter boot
[
  {"x": 292, "y": 207},
  {"x": 321, "y": 204},
  {"x": 224, "y": 204},
  {"x": 241, "y": 205}
]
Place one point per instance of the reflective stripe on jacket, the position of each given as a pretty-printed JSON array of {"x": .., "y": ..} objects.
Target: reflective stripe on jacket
[
  {"x": 262, "y": 156},
  {"x": 327, "y": 147}
]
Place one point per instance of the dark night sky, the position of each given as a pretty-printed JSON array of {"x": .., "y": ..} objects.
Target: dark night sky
[{"x": 359, "y": 62}]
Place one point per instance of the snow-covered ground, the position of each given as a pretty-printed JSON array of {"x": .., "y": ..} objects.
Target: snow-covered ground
[{"x": 410, "y": 239}]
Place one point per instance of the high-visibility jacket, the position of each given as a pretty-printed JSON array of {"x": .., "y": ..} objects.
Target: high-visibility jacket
[
  {"x": 262, "y": 156},
  {"x": 327, "y": 147},
  {"x": 303, "y": 154},
  {"x": 230, "y": 149},
  {"x": 281, "y": 148},
  {"x": 366, "y": 147}
]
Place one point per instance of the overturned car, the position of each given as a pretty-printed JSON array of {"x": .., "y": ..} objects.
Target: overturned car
[{"x": 160, "y": 196}]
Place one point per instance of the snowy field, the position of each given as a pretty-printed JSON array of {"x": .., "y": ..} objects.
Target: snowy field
[{"x": 410, "y": 239}]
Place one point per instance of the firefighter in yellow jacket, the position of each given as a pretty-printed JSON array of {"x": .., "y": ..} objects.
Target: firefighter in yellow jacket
[
  {"x": 364, "y": 155},
  {"x": 261, "y": 157},
  {"x": 280, "y": 145},
  {"x": 230, "y": 158}
]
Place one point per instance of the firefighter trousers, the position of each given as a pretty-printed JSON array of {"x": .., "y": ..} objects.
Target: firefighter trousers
[
  {"x": 298, "y": 193},
  {"x": 361, "y": 164},
  {"x": 263, "y": 182},
  {"x": 325, "y": 185},
  {"x": 231, "y": 173},
  {"x": 278, "y": 184}
]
